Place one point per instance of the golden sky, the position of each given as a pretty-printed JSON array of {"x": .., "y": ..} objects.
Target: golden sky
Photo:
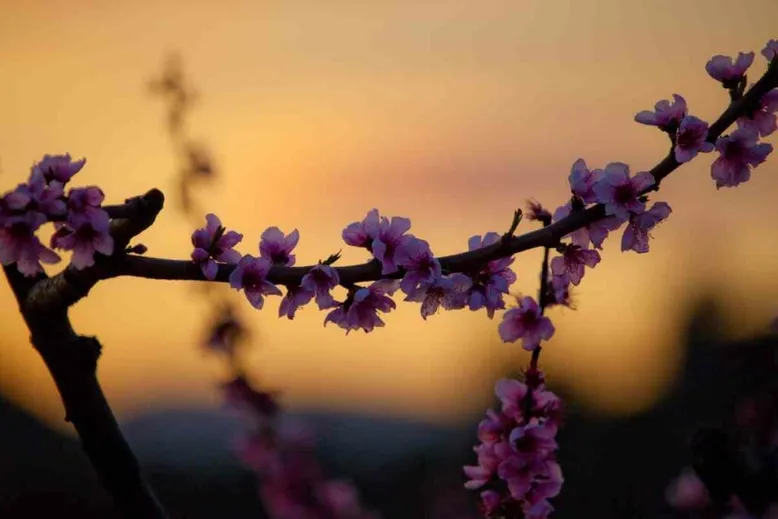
[{"x": 452, "y": 113}]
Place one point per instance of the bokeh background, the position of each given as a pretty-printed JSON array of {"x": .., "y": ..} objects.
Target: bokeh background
[{"x": 452, "y": 113}]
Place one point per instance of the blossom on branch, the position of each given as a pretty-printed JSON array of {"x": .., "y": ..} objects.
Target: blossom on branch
[
  {"x": 666, "y": 116},
  {"x": 691, "y": 139},
  {"x": 18, "y": 244},
  {"x": 249, "y": 275},
  {"x": 277, "y": 247},
  {"x": 739, "y": 153},
  {"x": 582, "y": 182},
  {"x": 763, "y": 120},
  {"x": 636, "y": 234},
  {"x": 85, "y": 236},
  {"x": 619, "y": 192},
  {"x": 771, "y": 50},
  {"x": 729, "y": 71},
  {"x": 526, "y": 322},
  {"x": 491, "y": 281},
  {"x": 214, "y": 243},
  {"x": 450, "y": 292},
  {"x": 572, "y": 262},
  {"x": 419, "y": 263},
  {"x": 59, "y": 168},
  {"x": 320, "y": 280}
]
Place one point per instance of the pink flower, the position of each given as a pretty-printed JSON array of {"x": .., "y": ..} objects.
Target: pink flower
[
  {"x": 361, "y": 310},
  {"x": 493, "y": 427},
  {"x": 636, "y": 234},
  {"x": 493, "y": 280},
  {"x": 490, "y": 502},
  {"x": 59, "y": 168},
  {"x": 18, "y": 244},
  {"x": 690, "y": 139},
  {"x": 294, "y": 299},
  {"x": 212, "y": 244},
  {"x": 277, "y": 247},
  {"x": 450, "y": 292},
  {"x": 527, "y": 323},
  {"x": 488, "y": 462},
  {"x": 511, "y": 393},
  {"x": 249, "y": 275},
  {"x": 85, "y": 234},
  {"x": 320, "y": 280},
  {"x": 419, "y": 263},
  {"x": 724, "y": 69},
  {"x": 619, "y": 192},
  {"x": 84, "y": 203},
  {"x": 594, "y": 233},
  {"x": 666, "y": 115},
  {"x": 771, "y": 50},
  {"x": 540, "y": 510},
  {"x": 582, "y": 182},
  {"x": 362, "y": 234},
  {"x": 534, "y": 439},
  {"x": 739, "y": 153},
  {"x": 572, "y": 262},
  {"x": 763, "y": 120},
  {"x": 389, "y": 242}
]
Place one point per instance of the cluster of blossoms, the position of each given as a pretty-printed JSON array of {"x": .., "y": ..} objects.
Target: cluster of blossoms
[
  {"x": 518, "y": 444},
  {"x": 517, "y": 471},
  {"x": 291, "y": 482},
  {"x": 81, "y": 225}
]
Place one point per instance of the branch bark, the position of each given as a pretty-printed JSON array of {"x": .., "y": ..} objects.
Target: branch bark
[{"x": 72, "y": 362}]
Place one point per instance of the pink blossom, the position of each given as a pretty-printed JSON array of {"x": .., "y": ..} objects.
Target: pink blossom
[
  {"x": 492, "y": 428},
  {"x": 320, "y": 280},
  {"x": 621, "y": 193},
  {"x": 277, "y": 247},
  {"x": 724, "y": 69},
  {"x": 572, "y": 262},
  {"x": 85, "y": 234},
  {"x": 582, "y": 182},
  {"x": 18, "y": 244},
  {"x": 295, "y": 298},
  {"x": 666, "y": 115},
  {"x": 361, "y": 311},
  {"x": 534, "y": 439},
  {"x": 636, "y": 234},
  {"x": 739, "y": 152},
  {"x": 764, "y": 119},
  {"x": 362, "y": 234},
  {"x": 488, "y": 462},
  {"x": 540, "y": 510},
  {"x": 450, "y": 292},
  {"x": 59, "y": 168},
  {"x": 84, "y": 203},
  {"x": 511, "y": 393},
  {"x": 389, "y": 242},
  {"x": 771, "y": 50},
  {"x": 594, "y": 233},
  {"x": 493, "y": 280},
  {"x": 527, "y": 323},
  {"x": 690, "y": 139},
  {"x": 558, "y": 292},
  {"x": 490, "y": 502},
  {"x": 211, "y": 244},
  {"x": 419, "y": 263},
  {"x": 249, "y": 275}
]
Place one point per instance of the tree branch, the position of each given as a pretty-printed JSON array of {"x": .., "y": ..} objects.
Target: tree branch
[{"x": 72, "y": 362}]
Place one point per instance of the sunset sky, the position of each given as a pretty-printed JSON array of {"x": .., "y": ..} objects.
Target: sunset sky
[{"x": 451, "y": 113}]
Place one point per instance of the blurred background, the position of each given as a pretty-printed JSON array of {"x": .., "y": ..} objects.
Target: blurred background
[{"x": 451, "y": 113}]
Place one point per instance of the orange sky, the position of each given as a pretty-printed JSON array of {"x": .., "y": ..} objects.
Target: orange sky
[{"x": 449, "y": 112}]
